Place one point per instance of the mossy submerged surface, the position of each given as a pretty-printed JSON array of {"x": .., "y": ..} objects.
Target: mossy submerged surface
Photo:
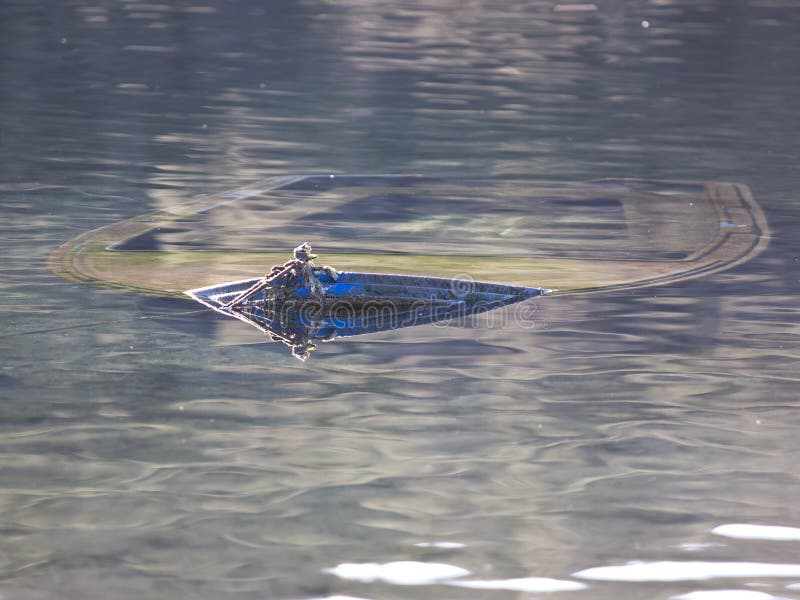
[{"x": 580, "y": 236}]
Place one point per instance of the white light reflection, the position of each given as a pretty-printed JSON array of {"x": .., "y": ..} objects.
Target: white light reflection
[
  {"x": 686, "y": 571},
  {"x": 726, "y": 595},
  {"x": 406, "y": 572},
  {"x": 337, "y": 597},
  {"x": 523, "y": 584},
  {"x": 448, "y": 545},
  {"x": 694, "y": 547},
  {"x": 746, "y": 531}
]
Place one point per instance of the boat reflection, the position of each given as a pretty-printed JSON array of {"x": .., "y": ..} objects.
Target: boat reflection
[{"x": 300, "y": 324}]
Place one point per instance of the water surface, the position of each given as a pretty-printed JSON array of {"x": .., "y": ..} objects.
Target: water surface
[{"x": 147, "y": 450}]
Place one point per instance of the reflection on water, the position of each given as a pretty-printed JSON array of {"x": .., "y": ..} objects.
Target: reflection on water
[
  {"x": 680, "y": 571},
  {"x": 150, "y": 453},
  {"x": 399, "y": 573},
  {"x": 420, "y": 573},
  {"x": 726, "y": 595},
  {"x": 757, "y": 532}
]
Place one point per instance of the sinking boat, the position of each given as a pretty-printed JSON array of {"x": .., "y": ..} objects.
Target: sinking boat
[
  {"x": 298, "y": 302},
  {"x": 581, "y": 237},
  {"x": 358, "y": 289}
]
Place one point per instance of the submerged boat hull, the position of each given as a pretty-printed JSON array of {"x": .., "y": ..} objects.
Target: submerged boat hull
[
  {"x": 576, "y": 236},
  {"x": 361, "y": 288}
]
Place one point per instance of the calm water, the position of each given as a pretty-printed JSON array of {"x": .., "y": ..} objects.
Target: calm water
[{"x": 177, "y": 456}]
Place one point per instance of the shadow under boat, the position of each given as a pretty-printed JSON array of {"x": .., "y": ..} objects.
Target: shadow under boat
[{"x": 357, "y": 304}]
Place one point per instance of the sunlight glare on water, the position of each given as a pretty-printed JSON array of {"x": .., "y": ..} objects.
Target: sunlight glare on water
[{"x": 757, "y": 532}]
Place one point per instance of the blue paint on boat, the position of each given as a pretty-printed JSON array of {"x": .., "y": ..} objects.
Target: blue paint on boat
[
  {"x": 365, "y": 287},
  {"x": 357, "y": 304}
]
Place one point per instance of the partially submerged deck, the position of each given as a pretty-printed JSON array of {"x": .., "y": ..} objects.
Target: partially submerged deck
[{"x": 577, "y": 237}]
